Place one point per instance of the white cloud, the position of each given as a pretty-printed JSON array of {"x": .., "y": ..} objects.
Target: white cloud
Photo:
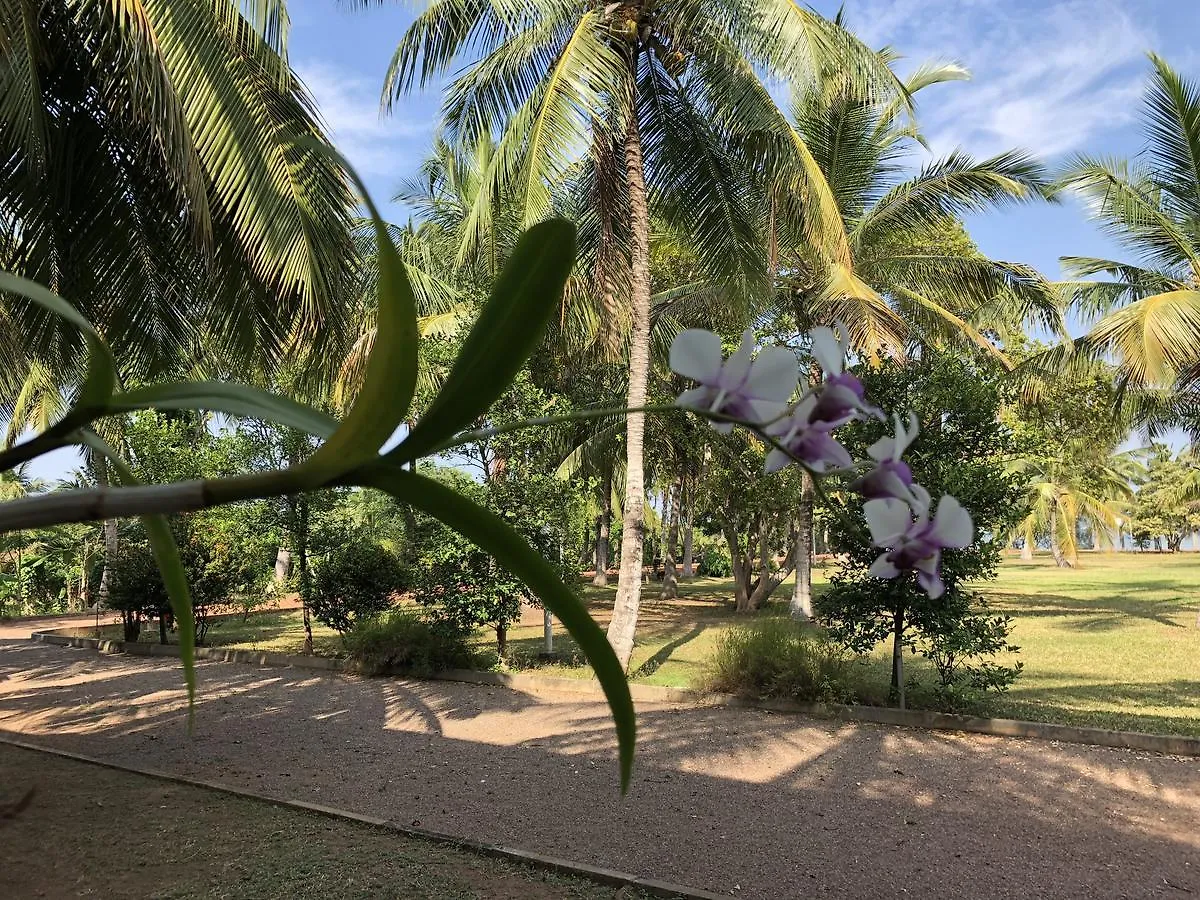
[
  {"x": 349, "y": 104},
  {"x": 1047, "y": 77}
]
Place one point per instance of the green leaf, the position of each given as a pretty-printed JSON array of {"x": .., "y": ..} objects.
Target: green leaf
[
  {"x": 508, "y": 330},
  {"x": 101, "y": 377},
  {"x": 496, "y": 537},
  {"x": 166, "y": 554},
  {"x": 391, "y": 371},
  {"x": 231, "y": 399}
]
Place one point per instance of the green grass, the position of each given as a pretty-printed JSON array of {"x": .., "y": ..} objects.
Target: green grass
[
  {"x": 1111, "y": 644},
  {"x": 118, "y": 834}
]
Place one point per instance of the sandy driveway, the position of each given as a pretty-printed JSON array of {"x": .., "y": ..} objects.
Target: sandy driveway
[{"x": 738, "y": 801}]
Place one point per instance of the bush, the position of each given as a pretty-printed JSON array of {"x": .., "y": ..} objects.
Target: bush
[
  {"x": 779, "y": 657},
  {"x": 402, "y": 640},
  {"x": 712, "y": 558},
  {"x": 356, "y": 581},
  {"x": 135, "y": 587}
]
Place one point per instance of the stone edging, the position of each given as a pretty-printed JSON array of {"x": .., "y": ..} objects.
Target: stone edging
[
  {"x": 1172, "y": 745},
  {"x": 597, "y": 874}
]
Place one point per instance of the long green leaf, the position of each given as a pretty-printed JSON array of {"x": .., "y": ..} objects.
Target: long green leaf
[
  {"x": 496, "y": 537},
  {"x": 508, "y": 330},
  {"x": 231, "y": 399},
  {"x": 101, "y": 375},
  {"x": 166, "y": 554},
  {"x": 391, "y": 371}
]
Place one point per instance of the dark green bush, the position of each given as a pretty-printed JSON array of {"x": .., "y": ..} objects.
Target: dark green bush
[
  {"x": 355, "y": 581},
  {"x": 135, "y": 587},
  {"x": 778, "y": 657},
  {"x": 713, "y": 560},
  {"x": 402, "y": 640}
]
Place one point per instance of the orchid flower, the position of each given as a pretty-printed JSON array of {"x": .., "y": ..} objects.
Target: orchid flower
[
  {"x": 841, "y": 394},
  {"x": 750, "y": 390},
  {"x": 916, "y": 545},
  {"x": 807, "y": 441},
  {"x": 891, "y": 477}
]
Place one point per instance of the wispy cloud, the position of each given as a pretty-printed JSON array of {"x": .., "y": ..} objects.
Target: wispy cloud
[
  {"x": 349, "y": 103},
  {"x": 1046, "y": 78}
]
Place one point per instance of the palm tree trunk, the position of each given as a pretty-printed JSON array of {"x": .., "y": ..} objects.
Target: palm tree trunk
[
  {"x": 1027, "y": 549},
  {"x": 1061, "y": 559},
  {"x": 897, "y": 691},
  {"x": 801, "y": 606},
  {"x": 688, "y": 501},
  {"x": 603, "y": 528},
  {"x": 629, "y": 583},
  {"x": 670, "y": 588}
]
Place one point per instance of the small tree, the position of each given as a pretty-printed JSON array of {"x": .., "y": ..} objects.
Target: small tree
[
  {"x": 959, "y": 452},
  {"x": 136, "y": 588},
  {"x": 355, "y": 581}
]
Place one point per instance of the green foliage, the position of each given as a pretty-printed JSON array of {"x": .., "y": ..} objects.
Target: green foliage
[
  {"x": 135, "y": 587},
  {"x": 712, "y": 557},
  {"x": 960, "y": 452},
  {"x": 1163, "y": 506},
  {"x": 355, "y": 581},
  {"x": 404, "y": 641},
  {"x": 777, "y": 657}
]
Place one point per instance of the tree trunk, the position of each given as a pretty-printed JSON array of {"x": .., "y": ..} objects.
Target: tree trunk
[
  {"x": 603, "y": 528},
  {"x": 629, "y": 582},
  {"x": 1060, "y": 558},
  {"x": 689, "y": 567},
  {"x": 1027, "y": 550},
  {"x": 670, "y": 588},
  {"x": 283, "y": 565},
  {"x": 801, "y": 606},
  {"x": 301, "y": 542},
  {"x": 501, "y": 640},
  {"x": 897, "y": 692}
]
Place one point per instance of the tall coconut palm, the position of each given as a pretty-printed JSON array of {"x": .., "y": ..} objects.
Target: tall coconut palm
[
  {"x": 651, "y": 93},
  {"x": 1150, "y": 308},
  {"x": 905, "y": 272},
  {"x": 149, "y": 174}
]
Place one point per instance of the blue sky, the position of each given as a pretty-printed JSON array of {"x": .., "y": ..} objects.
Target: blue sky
[{"x": 1053, "y": 78}]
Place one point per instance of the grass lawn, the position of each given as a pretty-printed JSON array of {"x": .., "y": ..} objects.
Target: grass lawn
[
  {"x": 1112, "y": 644},
  {"x": 115, "y": 834}
]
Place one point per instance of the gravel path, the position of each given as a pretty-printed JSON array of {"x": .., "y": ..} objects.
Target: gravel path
[{"x": 738, "y": 801}]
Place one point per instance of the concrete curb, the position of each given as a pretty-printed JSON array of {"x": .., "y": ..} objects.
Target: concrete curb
[
  {"x": 540, "y": 685},
  {"x": 613, "y": 877}
]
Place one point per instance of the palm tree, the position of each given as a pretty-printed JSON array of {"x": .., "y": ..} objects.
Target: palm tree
[
  {"x": 651, "y": 94},
  {"x": 1150, "y": 308},
  {"x": 1064, "y": 489},
  {"x": 148, "y": 173},
  {"x": 905, "y": 272}
]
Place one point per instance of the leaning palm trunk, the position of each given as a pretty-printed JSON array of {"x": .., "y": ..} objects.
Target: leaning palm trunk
[
  {"x": 629, "y": 582},
  {"x": 1062, "y": 557}
]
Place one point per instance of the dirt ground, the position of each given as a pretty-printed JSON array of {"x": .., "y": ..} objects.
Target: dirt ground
[
  {"x": 737, "y": 801},
  {"x": 119, "y": 835}
]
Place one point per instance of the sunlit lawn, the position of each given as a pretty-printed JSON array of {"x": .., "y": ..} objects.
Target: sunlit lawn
[{"x": 1113, "y": 643}]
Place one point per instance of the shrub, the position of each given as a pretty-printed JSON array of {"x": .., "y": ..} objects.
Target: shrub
[
  {"x": 402, "y": 640},
  {"x": 713, "y": 560},
  {"x": 355, "y": 581},
  {"x": 135, "y": 587},
  {"x": 778, "y": 657}
]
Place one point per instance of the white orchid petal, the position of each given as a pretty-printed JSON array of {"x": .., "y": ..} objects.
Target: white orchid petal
[
  {"x": 884, "y": 568},
  {"x": 773, "y": 375},
  {"x": 696, "y": 354},
  {"x": 881, "y": 449},
  {"x": 921, "y": 500},
  {"x": 952, "y": 525},
  {"x": 695, "y": 398},
  {"x": 737, "y": 368},
  {"x": 777, "y": 460},
  {"x": 826, "y": 350},
  {"x": 888, "y": 520}
]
